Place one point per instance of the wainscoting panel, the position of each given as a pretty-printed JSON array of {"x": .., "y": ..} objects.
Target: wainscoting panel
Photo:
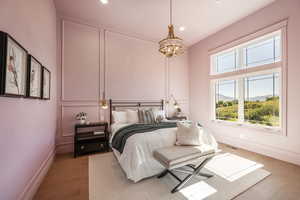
[
  {"x": 80, "y": 62},
  {"x": 178, "y": 77},
  {"x": 135, "y": 69},
  {"x": 68, "y": 116}
]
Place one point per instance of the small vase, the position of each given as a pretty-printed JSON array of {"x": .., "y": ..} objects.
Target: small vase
[{"x": 82, "y": 121}]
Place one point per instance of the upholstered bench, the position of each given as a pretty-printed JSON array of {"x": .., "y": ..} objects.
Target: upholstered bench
[{"x": 194, "y": 157}]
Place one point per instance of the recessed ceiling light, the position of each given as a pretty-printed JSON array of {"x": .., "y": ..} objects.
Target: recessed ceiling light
[
  {"x": 218, "y": 1},
  {"x": 181, "y": 28},
  {"x": 104, "y": 1}
]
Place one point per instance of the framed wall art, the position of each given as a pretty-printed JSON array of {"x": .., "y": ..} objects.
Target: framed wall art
[
  {"x": 34, "y": 78},
  {"x": 46, "y": 77},
  {"x": 13, "y": 67}
]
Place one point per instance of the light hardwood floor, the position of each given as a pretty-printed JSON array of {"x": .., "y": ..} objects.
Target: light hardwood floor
[{"x": 68, "y": 179}]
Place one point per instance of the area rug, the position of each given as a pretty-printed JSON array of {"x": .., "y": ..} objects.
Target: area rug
[
  {"x": 108, "y": 181},
  {"x": 232, "y": 167}
]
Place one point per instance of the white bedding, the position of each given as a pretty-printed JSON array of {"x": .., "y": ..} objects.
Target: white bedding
[{"x": 137, "y": 158}]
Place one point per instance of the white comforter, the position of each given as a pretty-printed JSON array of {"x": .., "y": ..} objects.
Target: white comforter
[{"x": 137, "y": 158}]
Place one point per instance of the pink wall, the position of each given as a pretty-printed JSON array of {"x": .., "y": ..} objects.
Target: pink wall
[
  {"x": 27, "y": 127},
  {"x": 139, "y": 70},
  {"x": 278, "y": 146},
  {"x": 135, "y": 70}
]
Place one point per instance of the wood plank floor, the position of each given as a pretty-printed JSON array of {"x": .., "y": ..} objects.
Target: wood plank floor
[{"x": 68, "y": 179}]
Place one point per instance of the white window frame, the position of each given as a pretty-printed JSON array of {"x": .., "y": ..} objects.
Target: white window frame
[
  {"x": 239, "y": 48},
  {"x": 280, "y": 67}
]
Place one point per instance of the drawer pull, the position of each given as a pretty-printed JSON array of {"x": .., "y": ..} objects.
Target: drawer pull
[{"x": 81, "y": 147}]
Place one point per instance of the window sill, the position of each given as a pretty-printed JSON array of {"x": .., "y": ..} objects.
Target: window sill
[{"x": 249, "y": 126}]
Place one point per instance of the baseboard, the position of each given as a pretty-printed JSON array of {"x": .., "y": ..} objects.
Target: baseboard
[
  {"x": 273, "y": 152},
  {"x": 67, "y": 147},
  {"x": 34, "y": 183}
]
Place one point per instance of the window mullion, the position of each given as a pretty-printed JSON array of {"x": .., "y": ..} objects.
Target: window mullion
[
  {"x": 216, "y": 98},
  {"x": 241, "y": 94},
  {"x": 240, "y": 86},
  {"x": 241, "y": 60}
]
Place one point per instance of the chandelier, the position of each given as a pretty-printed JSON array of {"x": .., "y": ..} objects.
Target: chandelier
[{"x": 172, "y": 45}]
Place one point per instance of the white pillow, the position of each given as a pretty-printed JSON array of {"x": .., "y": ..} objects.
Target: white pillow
[
  {"x": 189, "y": 134},
  {"x": 132, "y": 116},
  {"x": 159, "y": 114},
  {"x": 119, "y": 117}
]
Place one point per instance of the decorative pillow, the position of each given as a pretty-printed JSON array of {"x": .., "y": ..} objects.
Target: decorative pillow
[
  {"x": 159, "y": 119},
  {"x": 119, "y": 117},
  {"x": 141, "y": 115},
  {"x": 146, "y": 116},
  {"x": 132, "y": 116},
  {"x": 189, "y": 134},
  {"x": 150, "y": 116},
  {"x": 159, "y": 115}
]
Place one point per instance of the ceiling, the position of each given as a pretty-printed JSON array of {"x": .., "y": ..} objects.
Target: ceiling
[{"x": 148, "y": 19}]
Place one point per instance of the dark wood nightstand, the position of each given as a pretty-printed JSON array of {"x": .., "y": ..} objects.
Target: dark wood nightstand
[
  {"x": 179, "y": 118},
  {"x": 86, "y": 142}
]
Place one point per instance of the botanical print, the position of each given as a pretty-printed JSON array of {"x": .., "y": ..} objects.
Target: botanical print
[
  {"x": 16, "y": 69},
  {"x": 35, "y": 79},
  {"x": 46, "y": 84}
]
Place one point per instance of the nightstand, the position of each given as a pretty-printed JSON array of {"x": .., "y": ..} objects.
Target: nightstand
[
  {"x": 87, "y": 142},
  {"x": 179, "y": 118}
]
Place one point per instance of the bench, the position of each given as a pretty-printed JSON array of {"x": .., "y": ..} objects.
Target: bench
[{"x": 175, "y": 157}]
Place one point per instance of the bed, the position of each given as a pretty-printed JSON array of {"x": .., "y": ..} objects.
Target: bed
[
  {"x": 137, "y": 159},
  {"x": 136, "y": 154}
]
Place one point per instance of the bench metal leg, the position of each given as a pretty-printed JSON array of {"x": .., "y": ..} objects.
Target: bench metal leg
[
  {"x": 178, "y": 179},
  {"x": 163, "y": 173},
  {"x": 196, "y": 171},
  {"x": 205, "y": 175},
  {"x": 182, "y": 183}
]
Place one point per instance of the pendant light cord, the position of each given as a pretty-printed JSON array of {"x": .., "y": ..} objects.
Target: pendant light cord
[
  {"x": 171, "y": 12},
  {"x": 104, "y": 67}
]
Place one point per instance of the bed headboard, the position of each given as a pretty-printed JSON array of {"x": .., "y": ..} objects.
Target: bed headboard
[{"x": 115, "y": 104}]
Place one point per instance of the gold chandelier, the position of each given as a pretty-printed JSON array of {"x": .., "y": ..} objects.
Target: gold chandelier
[{"x": 172, "y": 45}]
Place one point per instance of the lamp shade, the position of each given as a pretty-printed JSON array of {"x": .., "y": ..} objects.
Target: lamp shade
[{"x": 103, "y": 104}]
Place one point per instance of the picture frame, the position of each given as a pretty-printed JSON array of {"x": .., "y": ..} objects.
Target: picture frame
[
  {"x": 46, "y": 84},
  {"x": 13, "y": 67},
  {"x": 34, "y": 78}
]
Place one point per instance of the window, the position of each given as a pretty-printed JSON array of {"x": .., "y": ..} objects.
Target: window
[
  {"x": 226, "y": 100},
  {"x": 257, "y": 52},
  {"x": 261, "y": 102},
  {"x": 247, "y": 82},
  {"x": 225, "y": 62},
  {"x": 265, "y": 52}
]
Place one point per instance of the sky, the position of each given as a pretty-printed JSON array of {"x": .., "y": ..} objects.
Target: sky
[{"x": 261, "y": 85}]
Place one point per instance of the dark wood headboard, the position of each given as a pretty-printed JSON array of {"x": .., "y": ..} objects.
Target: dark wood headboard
[{"x": 114, "y": 105}]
